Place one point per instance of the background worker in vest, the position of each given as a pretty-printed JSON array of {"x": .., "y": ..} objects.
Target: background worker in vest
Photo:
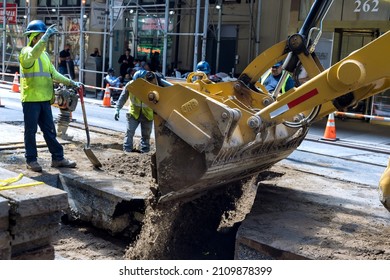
[
  {"x": 271, "y": 81},
  {"x": 37, "y": 91},
  {"x": 139, "y": 113}
]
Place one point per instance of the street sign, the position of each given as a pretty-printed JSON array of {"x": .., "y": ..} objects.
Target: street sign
[{"x": 11, "y": 12}]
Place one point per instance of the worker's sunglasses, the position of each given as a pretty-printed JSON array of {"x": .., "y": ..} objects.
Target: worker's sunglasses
[{"x": 275, "y": 67}]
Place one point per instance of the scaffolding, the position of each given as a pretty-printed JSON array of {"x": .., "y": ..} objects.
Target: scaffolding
[
  {"x": 112, "y": 14},
  {"x": 114, "y": 10}
]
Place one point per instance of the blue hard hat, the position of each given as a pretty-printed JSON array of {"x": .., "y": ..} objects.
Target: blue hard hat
[
  {"x": 140, "y": 74},
  {"x": 35, "y": 26},
  {"x": 203, "y": 66},
  {"x": 278, "y": 64}
]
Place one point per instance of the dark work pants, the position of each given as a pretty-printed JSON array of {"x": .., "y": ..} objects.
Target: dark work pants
[
  {"x": 146, "y": 130},
  {"x": 39, "y": 114}
]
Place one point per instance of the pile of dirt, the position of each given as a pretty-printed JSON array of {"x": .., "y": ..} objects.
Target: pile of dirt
[{"x": 204, "y": 228}]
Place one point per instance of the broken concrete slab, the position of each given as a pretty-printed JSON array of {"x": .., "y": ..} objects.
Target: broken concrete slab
[
  {"x": 5, "y": 238},
  {"x": 5, "y": 246},
  {"x": 34, "y": 200},
  {"x": 18, "y": 224},
  {"x": 31, "y": 234},
  {"x": 4, "y": 209},
  {"x": 42, "y": 253},
  {"x": 34, "y": 215},
  {"x": 18, "y": 249},
  {"x": 107, "y": 202}
]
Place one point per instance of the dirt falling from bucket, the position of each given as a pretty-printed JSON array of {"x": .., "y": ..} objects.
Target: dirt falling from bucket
[{"x": 204, "y": 228}]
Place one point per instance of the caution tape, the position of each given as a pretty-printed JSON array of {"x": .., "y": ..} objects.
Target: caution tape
[
  {"x": 21, "y": 186},
  {"x": 354, "y": 115},
  {"x": 5, "y": 184}
]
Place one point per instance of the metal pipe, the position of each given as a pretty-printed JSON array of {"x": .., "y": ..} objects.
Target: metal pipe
[
  {"x": 135, "y": 28},
  {"x": 110, "y": 50},
  {"x": 196, "y": 39},
  {"x": 4, "y": 36},
  {"x": 166, "y": 27},
  {"x": 104, "y": 46},
  {"x": 249, "y": 57},
  {"x": 81, "y": 60},
  {"x": 56, "y": 39},
  {"x": 258, "y": 27},
  {"x": 178, "y": 27},
  {"x": 317, "y": 12},
  {"x": 218, "y": 37},
  {"x": 205, "y": 28}
]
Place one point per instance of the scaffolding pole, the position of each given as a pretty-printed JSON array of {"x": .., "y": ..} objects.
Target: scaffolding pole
[
  {"x": 4, "y": 32},
  {"x": 205, "y": 28},
  {"x": 81, "y": 60},
  {"x": 218, "y": 36},
  {"x": 258, "y": 27},
  {"x": 196, "y": 41},
  {"x": 166, "y": 27}
]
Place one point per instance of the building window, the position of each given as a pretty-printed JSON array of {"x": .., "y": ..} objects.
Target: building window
[{"x": 62, "y": 3}]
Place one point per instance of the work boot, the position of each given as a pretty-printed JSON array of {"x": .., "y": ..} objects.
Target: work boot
[
  {"x": 63, "y": 163},
  {"x": 34, "y": 166}
]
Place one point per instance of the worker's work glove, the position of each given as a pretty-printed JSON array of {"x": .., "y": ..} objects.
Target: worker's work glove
[
  {"x": 49, "y": 32},
  {"x": 116, "y": 117},
  {"x": 77, "y": 84}
]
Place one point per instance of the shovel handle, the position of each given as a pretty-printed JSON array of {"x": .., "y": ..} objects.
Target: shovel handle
[
  {"x": 81, "y": 93},
  {"x": 81, "y": 96}
]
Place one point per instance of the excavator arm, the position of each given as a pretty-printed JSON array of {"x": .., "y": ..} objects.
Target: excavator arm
[
  {"x": 360, "y": 75},
  {"x": 208, "y": 134}
]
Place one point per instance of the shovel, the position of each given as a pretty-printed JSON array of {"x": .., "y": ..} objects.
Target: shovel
[{"x": 90, "y": 155}]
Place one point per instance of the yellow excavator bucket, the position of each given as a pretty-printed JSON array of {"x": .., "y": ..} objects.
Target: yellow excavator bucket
[{"x": 207, "y": 134}]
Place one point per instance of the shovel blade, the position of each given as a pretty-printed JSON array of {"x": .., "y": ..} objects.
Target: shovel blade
[{"x": 92, "y": 158}]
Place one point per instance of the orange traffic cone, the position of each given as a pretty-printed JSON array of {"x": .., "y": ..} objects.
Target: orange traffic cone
[
  {"x": 330, "y": 130},
  {"x": 107, "y": 97},
  {"x": 15, "y": 84}
]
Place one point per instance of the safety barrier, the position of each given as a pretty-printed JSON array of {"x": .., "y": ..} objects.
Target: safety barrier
[
  {"x": 361, "y": 116},
  {"x": 13, "y": 83},
  {"x": 330, "y": 130},
  {"x": 103, "y": 90}
]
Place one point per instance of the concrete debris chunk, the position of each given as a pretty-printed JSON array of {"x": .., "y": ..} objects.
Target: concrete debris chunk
[{"x": 29, "y": 217}]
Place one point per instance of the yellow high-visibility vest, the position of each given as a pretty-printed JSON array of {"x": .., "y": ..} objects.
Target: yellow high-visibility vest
[{"x": 136, "y": 107}]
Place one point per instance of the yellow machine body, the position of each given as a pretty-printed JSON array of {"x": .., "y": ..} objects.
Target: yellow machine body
[{"x": 208, "y": 134}]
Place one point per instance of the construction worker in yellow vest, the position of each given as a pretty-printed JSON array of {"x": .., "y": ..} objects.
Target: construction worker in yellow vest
[
  {"x": 37, "y": 74},
  {"x": 272, "y": 77},
  {"x": 139, "y": 113}
]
